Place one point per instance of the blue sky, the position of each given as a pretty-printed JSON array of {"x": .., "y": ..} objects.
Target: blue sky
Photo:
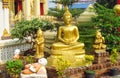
[
  {"x": 75, "y": 5},
  {"x": 50, "y": 4}
]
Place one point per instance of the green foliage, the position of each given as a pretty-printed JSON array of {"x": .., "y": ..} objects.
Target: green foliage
[
  {"x": 89, "y": 59},
  {"x": 108, "y": 21},
  {"x": 29, "y": 59},
  {"x": 90, "y": 72},
  {"x": 62, "y": 64},
  {"x": 59, "y": 13},
  {"x": 14, "y": 66},
  {"x": 56, "y": 13},
  {"x": 64, "y": 2},
  {"x": 27, "y": 28},
  {"x": 87, "y": 34},
  {"x": 114, "y": 55},
  {"x": 107, "y": 3}
]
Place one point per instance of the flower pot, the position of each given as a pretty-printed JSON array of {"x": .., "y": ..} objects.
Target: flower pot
[
  {"x": 90, "y": 75},
  {"x": 113, "y": 72}
]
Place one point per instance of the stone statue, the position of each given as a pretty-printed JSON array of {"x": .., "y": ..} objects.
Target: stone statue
[
  {"x": 68, "y": 36},
  {"x": 99, "y": 42},
  {"x": 39, "y": 44},
  {"x": 16, "y": 54},
  {"x": 36, "y": 70}
]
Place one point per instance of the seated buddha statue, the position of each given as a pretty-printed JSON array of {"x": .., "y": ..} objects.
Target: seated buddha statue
[
  {"x": 68, "y": 36},
  {"x": 99, "y": 42}
]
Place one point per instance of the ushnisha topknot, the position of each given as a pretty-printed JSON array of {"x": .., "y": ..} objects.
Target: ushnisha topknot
[{"x": 67, "y": 12}]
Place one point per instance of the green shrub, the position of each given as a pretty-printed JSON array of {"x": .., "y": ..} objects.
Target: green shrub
[{"x": 14, "y": 66}]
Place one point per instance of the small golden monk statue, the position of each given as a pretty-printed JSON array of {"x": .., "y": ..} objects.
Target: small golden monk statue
[
  {"x": 99, "y": 42},
  {"x": 68, "y": 36},
  {"x": 39, "y": 44}
]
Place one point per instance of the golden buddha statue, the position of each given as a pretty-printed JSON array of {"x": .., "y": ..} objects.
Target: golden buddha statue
[
  {"x": 5, "y": 33},
  {"x": 68, "y": 36},
  {"x": 99, "y": 45},
  {"x": 39, "y": 44}
]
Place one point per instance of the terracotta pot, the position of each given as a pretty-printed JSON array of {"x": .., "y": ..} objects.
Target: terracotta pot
[{"x": 90, "y": 75}]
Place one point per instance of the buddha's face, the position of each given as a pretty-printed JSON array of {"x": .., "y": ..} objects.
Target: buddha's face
[
  {"x": 67, "y": 19},
  {"x": 98, "y": 35}
]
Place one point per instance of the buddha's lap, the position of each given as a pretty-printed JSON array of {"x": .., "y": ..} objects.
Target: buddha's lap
[{"x": 62, "y": 46}]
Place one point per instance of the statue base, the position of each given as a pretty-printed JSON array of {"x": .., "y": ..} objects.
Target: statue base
[
  {"x": 74, "y": 57},
  {"x": 101, "y": 57},
  {"x": 5, "y": 37},
  {"x": 100, "y": 51}
]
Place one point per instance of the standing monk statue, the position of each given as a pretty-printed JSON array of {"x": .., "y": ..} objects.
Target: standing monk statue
[{"x": 39, "y": 44}]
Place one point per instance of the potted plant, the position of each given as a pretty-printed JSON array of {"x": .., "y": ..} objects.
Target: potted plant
[
  {"x": 62, "y": 64},
  {"x": 90, "y": 74},
  {"x": 113, "y": 58},
  {"x": 14, "y": 68},
  {"x": 89, "y": 59}
]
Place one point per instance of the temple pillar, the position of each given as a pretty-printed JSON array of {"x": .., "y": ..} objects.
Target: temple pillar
[
  {"x": 23, "y": 7},
  {"x": 45, "y": 7},
  {"x": 27, "y": 9},
  {"x": 36, "y": 6},
  {"x": 12, "y": 6},
  {"x": 6, "y": 15},
  {"x": 1, "y": 19},
  {"x": 6, "y": 18}
]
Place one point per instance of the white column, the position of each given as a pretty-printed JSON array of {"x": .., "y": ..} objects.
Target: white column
[
  {"x": 45, "y": 7},
  {"x": 36, "y": 6},
  {"x": 23, "y": 7},
  {"x": 1, "y": 19},
  {"x": 27, "y": 9},
  {"x": 6, "y": 19}
]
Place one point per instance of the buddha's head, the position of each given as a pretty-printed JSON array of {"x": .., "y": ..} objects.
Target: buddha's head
[
  {"x": 67, "y": 17},
  {"x": 98, "y": 34},
  {"x": 39, "y": 32}
]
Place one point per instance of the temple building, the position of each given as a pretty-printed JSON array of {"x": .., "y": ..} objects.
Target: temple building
[{"x": 14, "y": 10}]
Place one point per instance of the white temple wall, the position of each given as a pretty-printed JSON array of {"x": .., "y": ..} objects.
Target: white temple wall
[
  {"x": 6, "y": 19},
  {"x": 1, "y": 19}
]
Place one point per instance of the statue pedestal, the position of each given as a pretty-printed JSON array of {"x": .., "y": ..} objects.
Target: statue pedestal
[
  {"x": 101, "y": 57},
  {"x": 74, "y": 57}
]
